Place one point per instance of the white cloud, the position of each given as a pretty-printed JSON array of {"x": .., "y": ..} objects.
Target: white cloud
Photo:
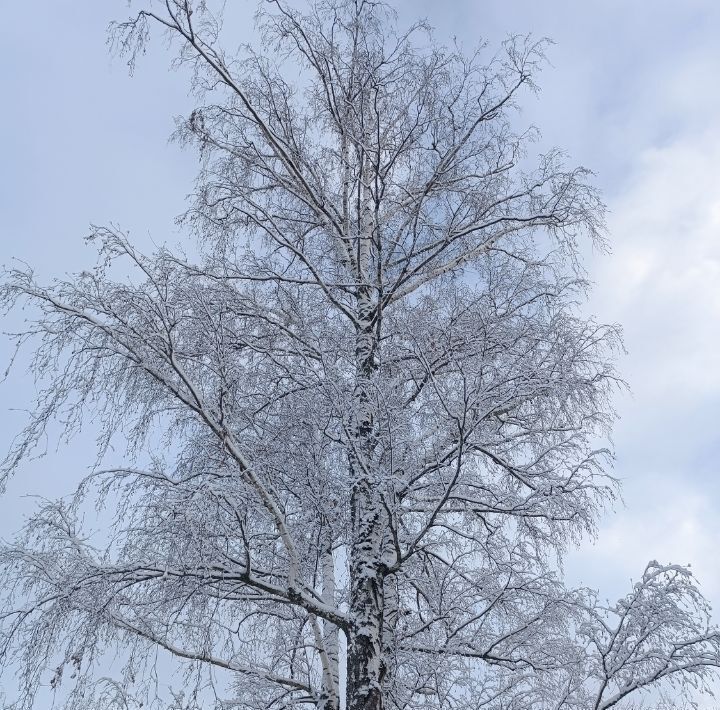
[
  {"x": 663, "y": 280},
  {"x": 662, "y": 283},
  {"x": 673, "y": 522}
]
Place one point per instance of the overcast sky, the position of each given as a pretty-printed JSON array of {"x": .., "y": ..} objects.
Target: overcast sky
[{"x": 632, "y": 93}]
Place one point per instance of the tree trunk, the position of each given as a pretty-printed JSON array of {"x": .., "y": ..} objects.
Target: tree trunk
[
  {"x": 329, "y": 697},
  {"x": 365, "y": 666}
]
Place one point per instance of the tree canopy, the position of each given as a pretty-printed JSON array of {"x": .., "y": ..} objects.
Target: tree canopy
[{"x": 361, "y": 425}]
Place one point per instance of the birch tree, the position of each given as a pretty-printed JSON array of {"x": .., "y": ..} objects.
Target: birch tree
[{"x": 360, "y": 425}]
